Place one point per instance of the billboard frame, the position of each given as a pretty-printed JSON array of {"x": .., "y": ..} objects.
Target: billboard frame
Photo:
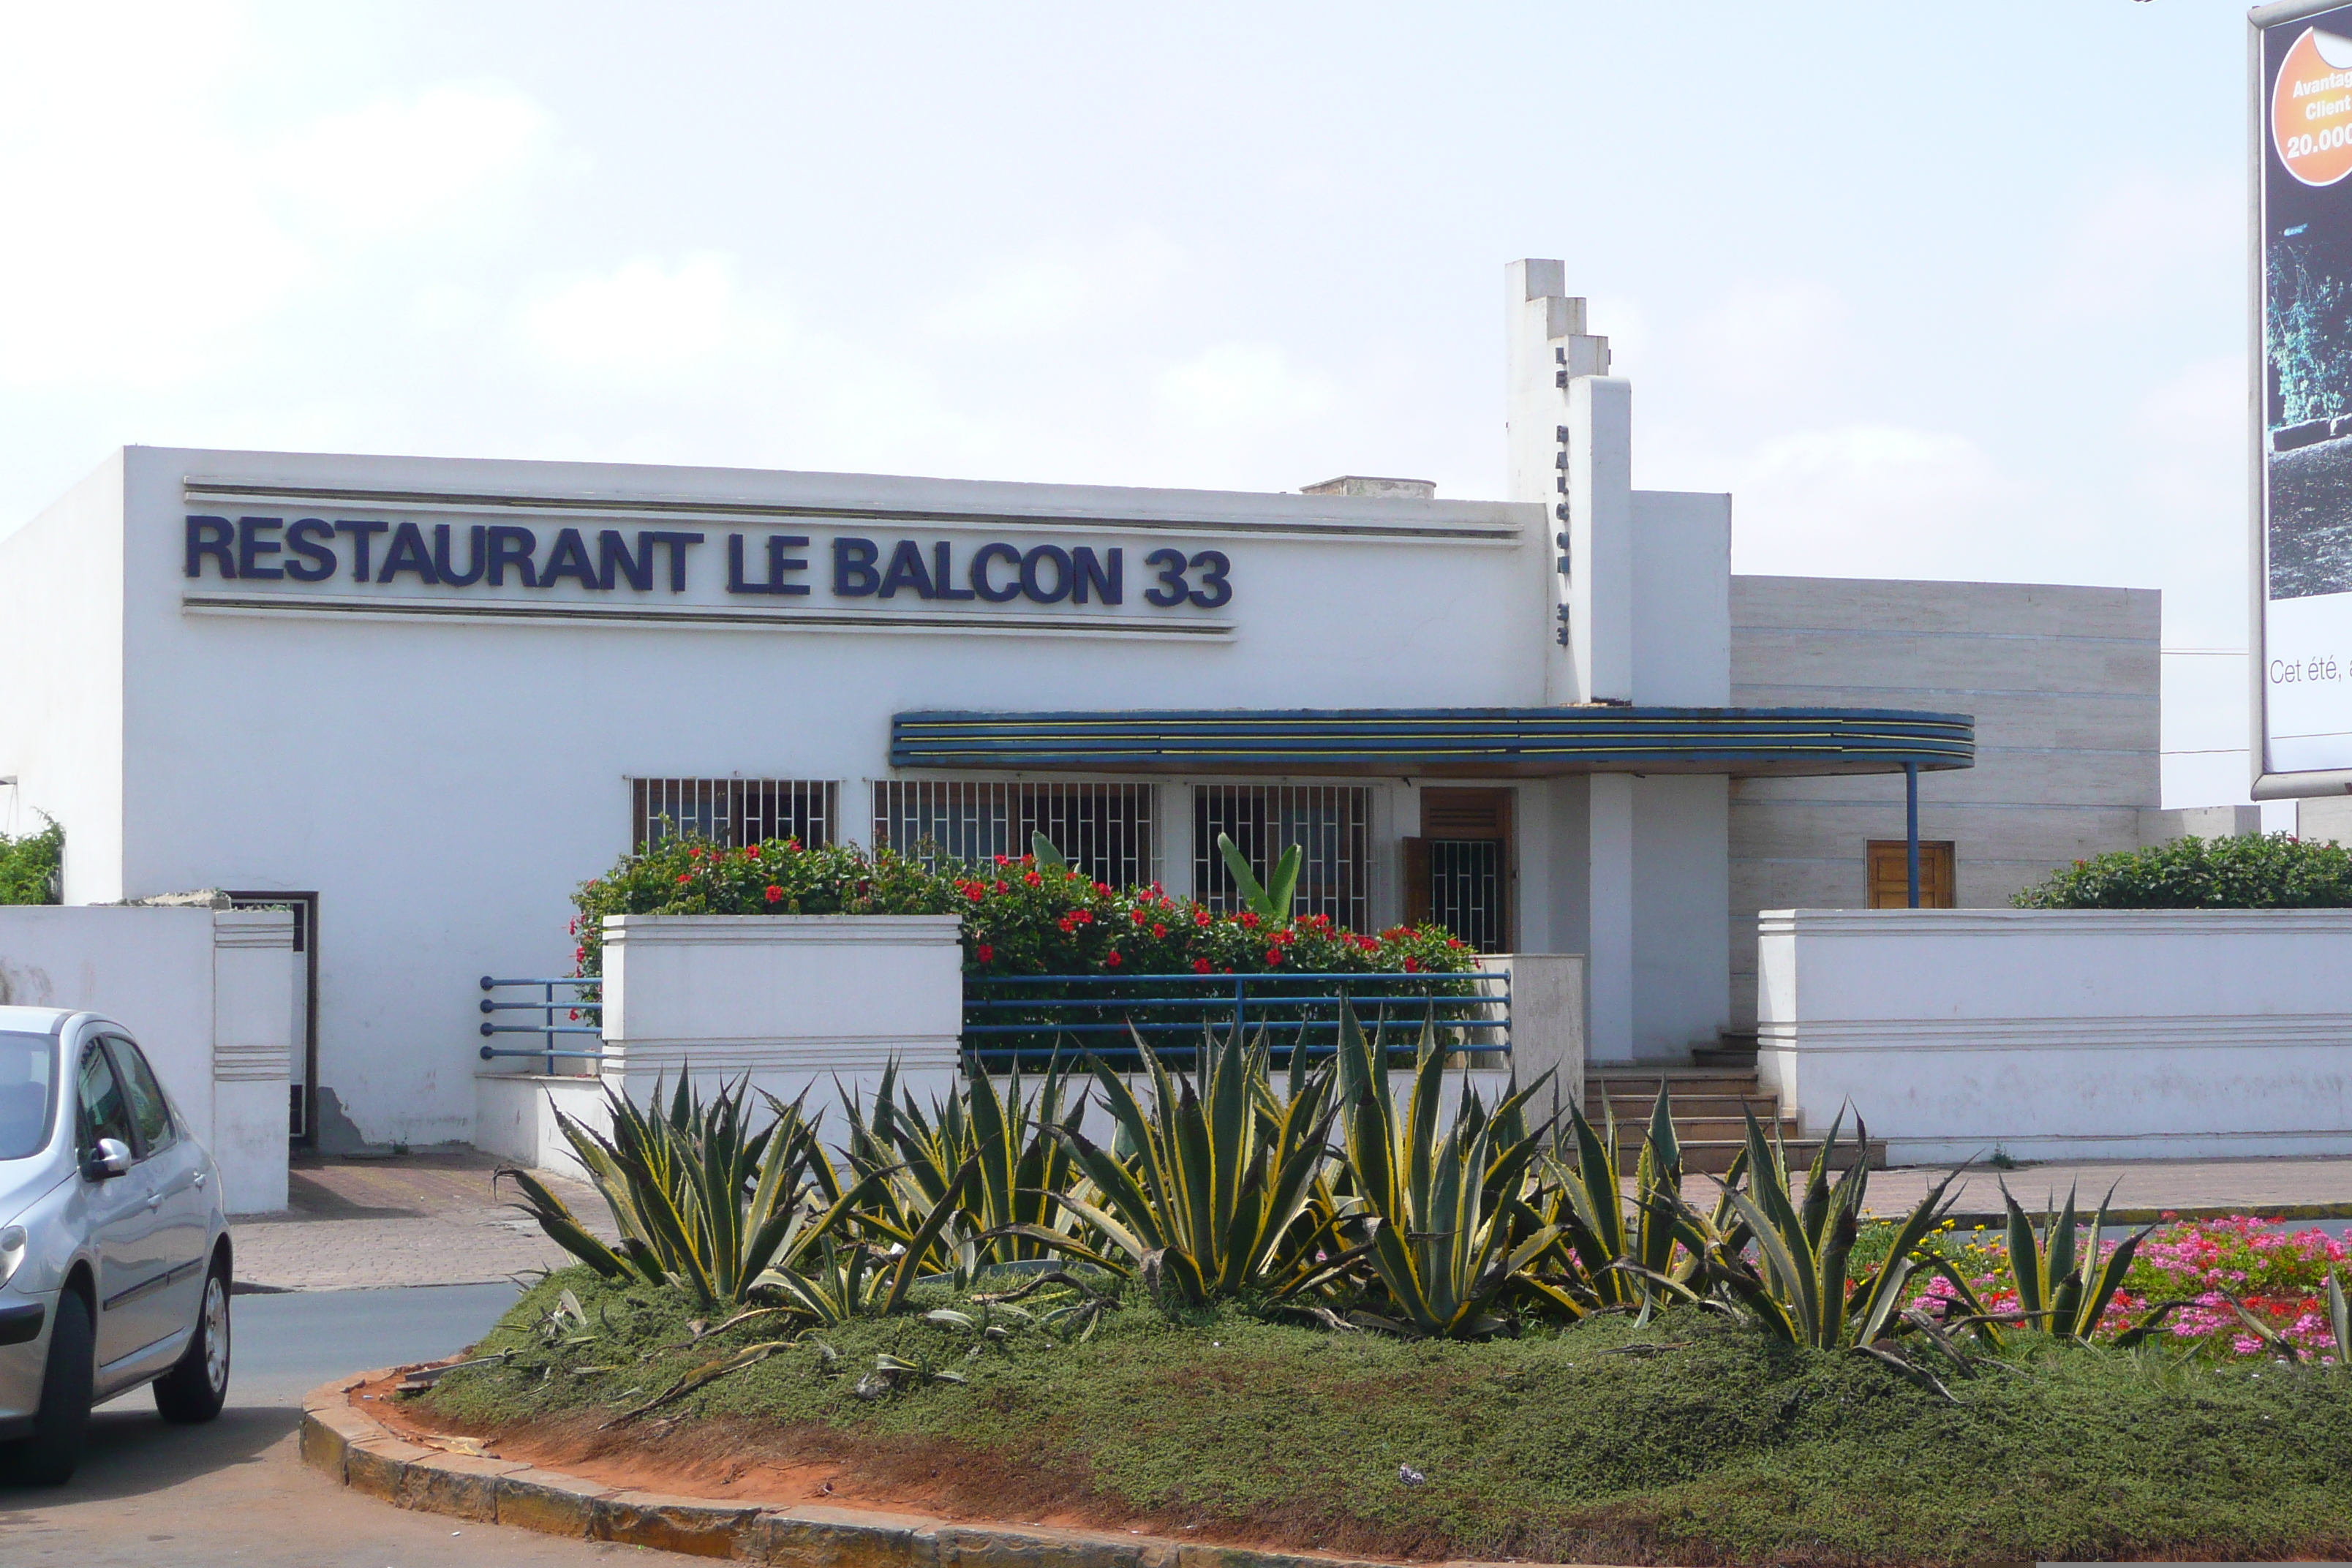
[{"x": 2265, "y": 785}]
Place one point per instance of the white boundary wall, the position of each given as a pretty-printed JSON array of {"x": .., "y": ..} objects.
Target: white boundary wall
[
  {"x": 514, "y": 1117},
  {"x": 209, "y": 994},
  {"x": 2163, "y": 1033}
]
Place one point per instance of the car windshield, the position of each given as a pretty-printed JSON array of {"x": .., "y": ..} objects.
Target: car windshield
[{"x": 29, "y": 1078}]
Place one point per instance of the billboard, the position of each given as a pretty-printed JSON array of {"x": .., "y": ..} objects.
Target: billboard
[{"x": 2301, "y": 78}]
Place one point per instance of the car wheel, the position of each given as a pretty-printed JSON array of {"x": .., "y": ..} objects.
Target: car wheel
[
  {"x": 195, "y": 1388},
  {"x": 61, "y": 1421}
]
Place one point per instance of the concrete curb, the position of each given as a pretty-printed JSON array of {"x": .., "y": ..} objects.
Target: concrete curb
[{"x": 362, "y": 1456}]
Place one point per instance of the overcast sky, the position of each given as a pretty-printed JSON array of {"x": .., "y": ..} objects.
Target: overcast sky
[{"x": 1936, "y": 291}]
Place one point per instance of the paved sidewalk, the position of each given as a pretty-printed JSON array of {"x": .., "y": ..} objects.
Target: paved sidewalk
[
  {"x": 2317, "y": 1187},
  {"x": 413, "y": 1219}
]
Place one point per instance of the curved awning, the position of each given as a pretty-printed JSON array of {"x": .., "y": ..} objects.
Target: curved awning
[{"x": 1746, "y": 743}]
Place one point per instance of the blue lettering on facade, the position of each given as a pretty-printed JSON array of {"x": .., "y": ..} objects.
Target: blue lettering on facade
[
  {"x": 251, "y": 547},
  {"x": 210, "y": 539},
  {"x": 314, "y": 550},
  {"x": 981, "y": 560},
  {"x": 445, "y": 569},
  {"x": 311, "y": 542},
  {"x": 362, "y": 534},
  {"x": 779, "y": 563},
  {"x": 854, "y": 577},
  {"x": 907, "y": 571},
  {"x": 408, "y": 555},
  {"x": 614, "y": 561},
  {"x": 568, "y": 557}
]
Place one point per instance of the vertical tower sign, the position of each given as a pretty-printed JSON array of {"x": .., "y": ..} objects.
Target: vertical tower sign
[{"x": 2300, "y": 70}]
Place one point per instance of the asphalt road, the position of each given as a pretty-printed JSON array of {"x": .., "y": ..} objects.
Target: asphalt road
[{"x": 234, "y": 1493}]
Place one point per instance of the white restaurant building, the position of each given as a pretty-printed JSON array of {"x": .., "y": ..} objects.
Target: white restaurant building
[{"x": 422, "y": 699}]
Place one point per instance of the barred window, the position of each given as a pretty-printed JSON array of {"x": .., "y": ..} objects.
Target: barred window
[
  {"x": 1105, "y": 829},
  {"x": 732, "y": 812},
  {"x": 1331, "y": 823}
]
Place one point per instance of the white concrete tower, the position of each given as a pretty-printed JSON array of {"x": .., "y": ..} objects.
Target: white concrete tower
[
  {"x": 1569, "y": 432},
  {"x": 1640, "y": 588}
]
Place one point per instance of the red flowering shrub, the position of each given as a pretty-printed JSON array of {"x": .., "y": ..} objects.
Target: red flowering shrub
[
  {"x": 684, "y": 877},
  {"x": 1047, "y": 920}
]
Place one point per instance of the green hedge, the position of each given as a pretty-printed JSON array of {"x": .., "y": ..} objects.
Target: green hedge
[
  {"x": 2273, "y": 872},
  {"x": 33, "y": 867},
  {"x": 1019, "y": 917}
]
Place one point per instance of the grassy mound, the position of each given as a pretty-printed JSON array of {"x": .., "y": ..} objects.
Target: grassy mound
[{"x": 1692, "y": 1440}]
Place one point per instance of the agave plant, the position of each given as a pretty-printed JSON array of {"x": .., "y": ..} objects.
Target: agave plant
[
  {"x": 1620, "y": 1265},
  {"x": 1433, "y": 1217},
  {"x": 2062, "y": 1290},
  {"x": 1213, "y": 1200},
  {"x": 1799, "y": 1288},
  {"x": 2339, "y": 1320},
  {"x": 1273, "y": 900},
  {"x": 838, "y": 1280},
  {"x": 701, "y": 1202},
  {"x": 1007, "y": 1137}
]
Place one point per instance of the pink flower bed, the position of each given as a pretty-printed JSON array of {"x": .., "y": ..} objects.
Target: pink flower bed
[{"x": 2281, "y": 1275}]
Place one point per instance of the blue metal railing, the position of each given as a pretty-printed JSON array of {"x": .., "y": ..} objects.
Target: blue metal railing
[
  {"x": 1018, "y": 1017},
  {"x": 572, "y": 1008}
]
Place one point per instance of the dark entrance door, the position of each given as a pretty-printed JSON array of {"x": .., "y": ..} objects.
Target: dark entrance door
[{"x": 1459, "y": 870}]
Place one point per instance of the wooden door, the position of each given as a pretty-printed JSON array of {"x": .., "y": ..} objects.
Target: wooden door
[{"x": 1890, "y": 879}]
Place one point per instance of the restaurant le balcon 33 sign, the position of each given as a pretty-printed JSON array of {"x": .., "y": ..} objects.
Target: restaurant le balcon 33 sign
[{"x": 571, "y": 573}]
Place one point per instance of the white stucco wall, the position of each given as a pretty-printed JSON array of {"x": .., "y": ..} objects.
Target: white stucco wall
[
  {"x": 1681, "y": 594},
  {"x": 2054, "y": 1034},
  {"x": 207, "y": 993},
  {"x": 61, "y": 629},
  {"x": 150, "y": 970},
  {"x": 1681, "y": 954}
]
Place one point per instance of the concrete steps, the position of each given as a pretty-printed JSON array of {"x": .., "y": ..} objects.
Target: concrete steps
[{"x": 1707, "y": 1102}]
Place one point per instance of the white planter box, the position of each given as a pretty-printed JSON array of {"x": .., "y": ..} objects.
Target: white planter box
[
  {"x": 514, "y": 1117},
  {"x": 2083, "y": 1034},
  {"x": 790, "y": 1000}
]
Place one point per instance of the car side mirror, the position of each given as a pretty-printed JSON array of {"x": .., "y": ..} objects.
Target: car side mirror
[{"x": 111, "y": 1158}]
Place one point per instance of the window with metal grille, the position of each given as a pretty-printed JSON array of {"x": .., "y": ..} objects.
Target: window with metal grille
[
  {"x": 732, "y": 812},
  {"x": 1331, "y": 823},
  {"x": 1105, "y": 829},
  {"x": 1457, "y": 872},
  {"x": 1465, "y": 889}
]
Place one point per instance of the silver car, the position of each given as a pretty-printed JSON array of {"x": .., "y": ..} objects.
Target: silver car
[{"x": 114, "y": 1252}]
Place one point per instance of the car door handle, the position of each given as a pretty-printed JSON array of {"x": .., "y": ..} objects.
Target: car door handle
[
  {"x": 154, "y": 1200},
  {"x": 199, "y": 1180}
]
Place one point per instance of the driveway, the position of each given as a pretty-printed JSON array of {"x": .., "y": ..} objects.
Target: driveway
[
  {"x": 234, "y": 1493},
  {"x": 418, "y": 1219}
]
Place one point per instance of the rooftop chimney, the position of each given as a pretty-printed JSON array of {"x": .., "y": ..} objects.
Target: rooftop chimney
[{"x": 1362, "y": 485}]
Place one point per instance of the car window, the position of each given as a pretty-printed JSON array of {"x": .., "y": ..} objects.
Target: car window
[
  {"x": 103, "y": 1112},
  {"x": 28, "y": 1080},
  {"x": 149, "y": 1112}
]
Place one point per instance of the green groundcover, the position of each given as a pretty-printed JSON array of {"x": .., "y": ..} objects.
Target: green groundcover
[{"x": 1690, "y": 1439}]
